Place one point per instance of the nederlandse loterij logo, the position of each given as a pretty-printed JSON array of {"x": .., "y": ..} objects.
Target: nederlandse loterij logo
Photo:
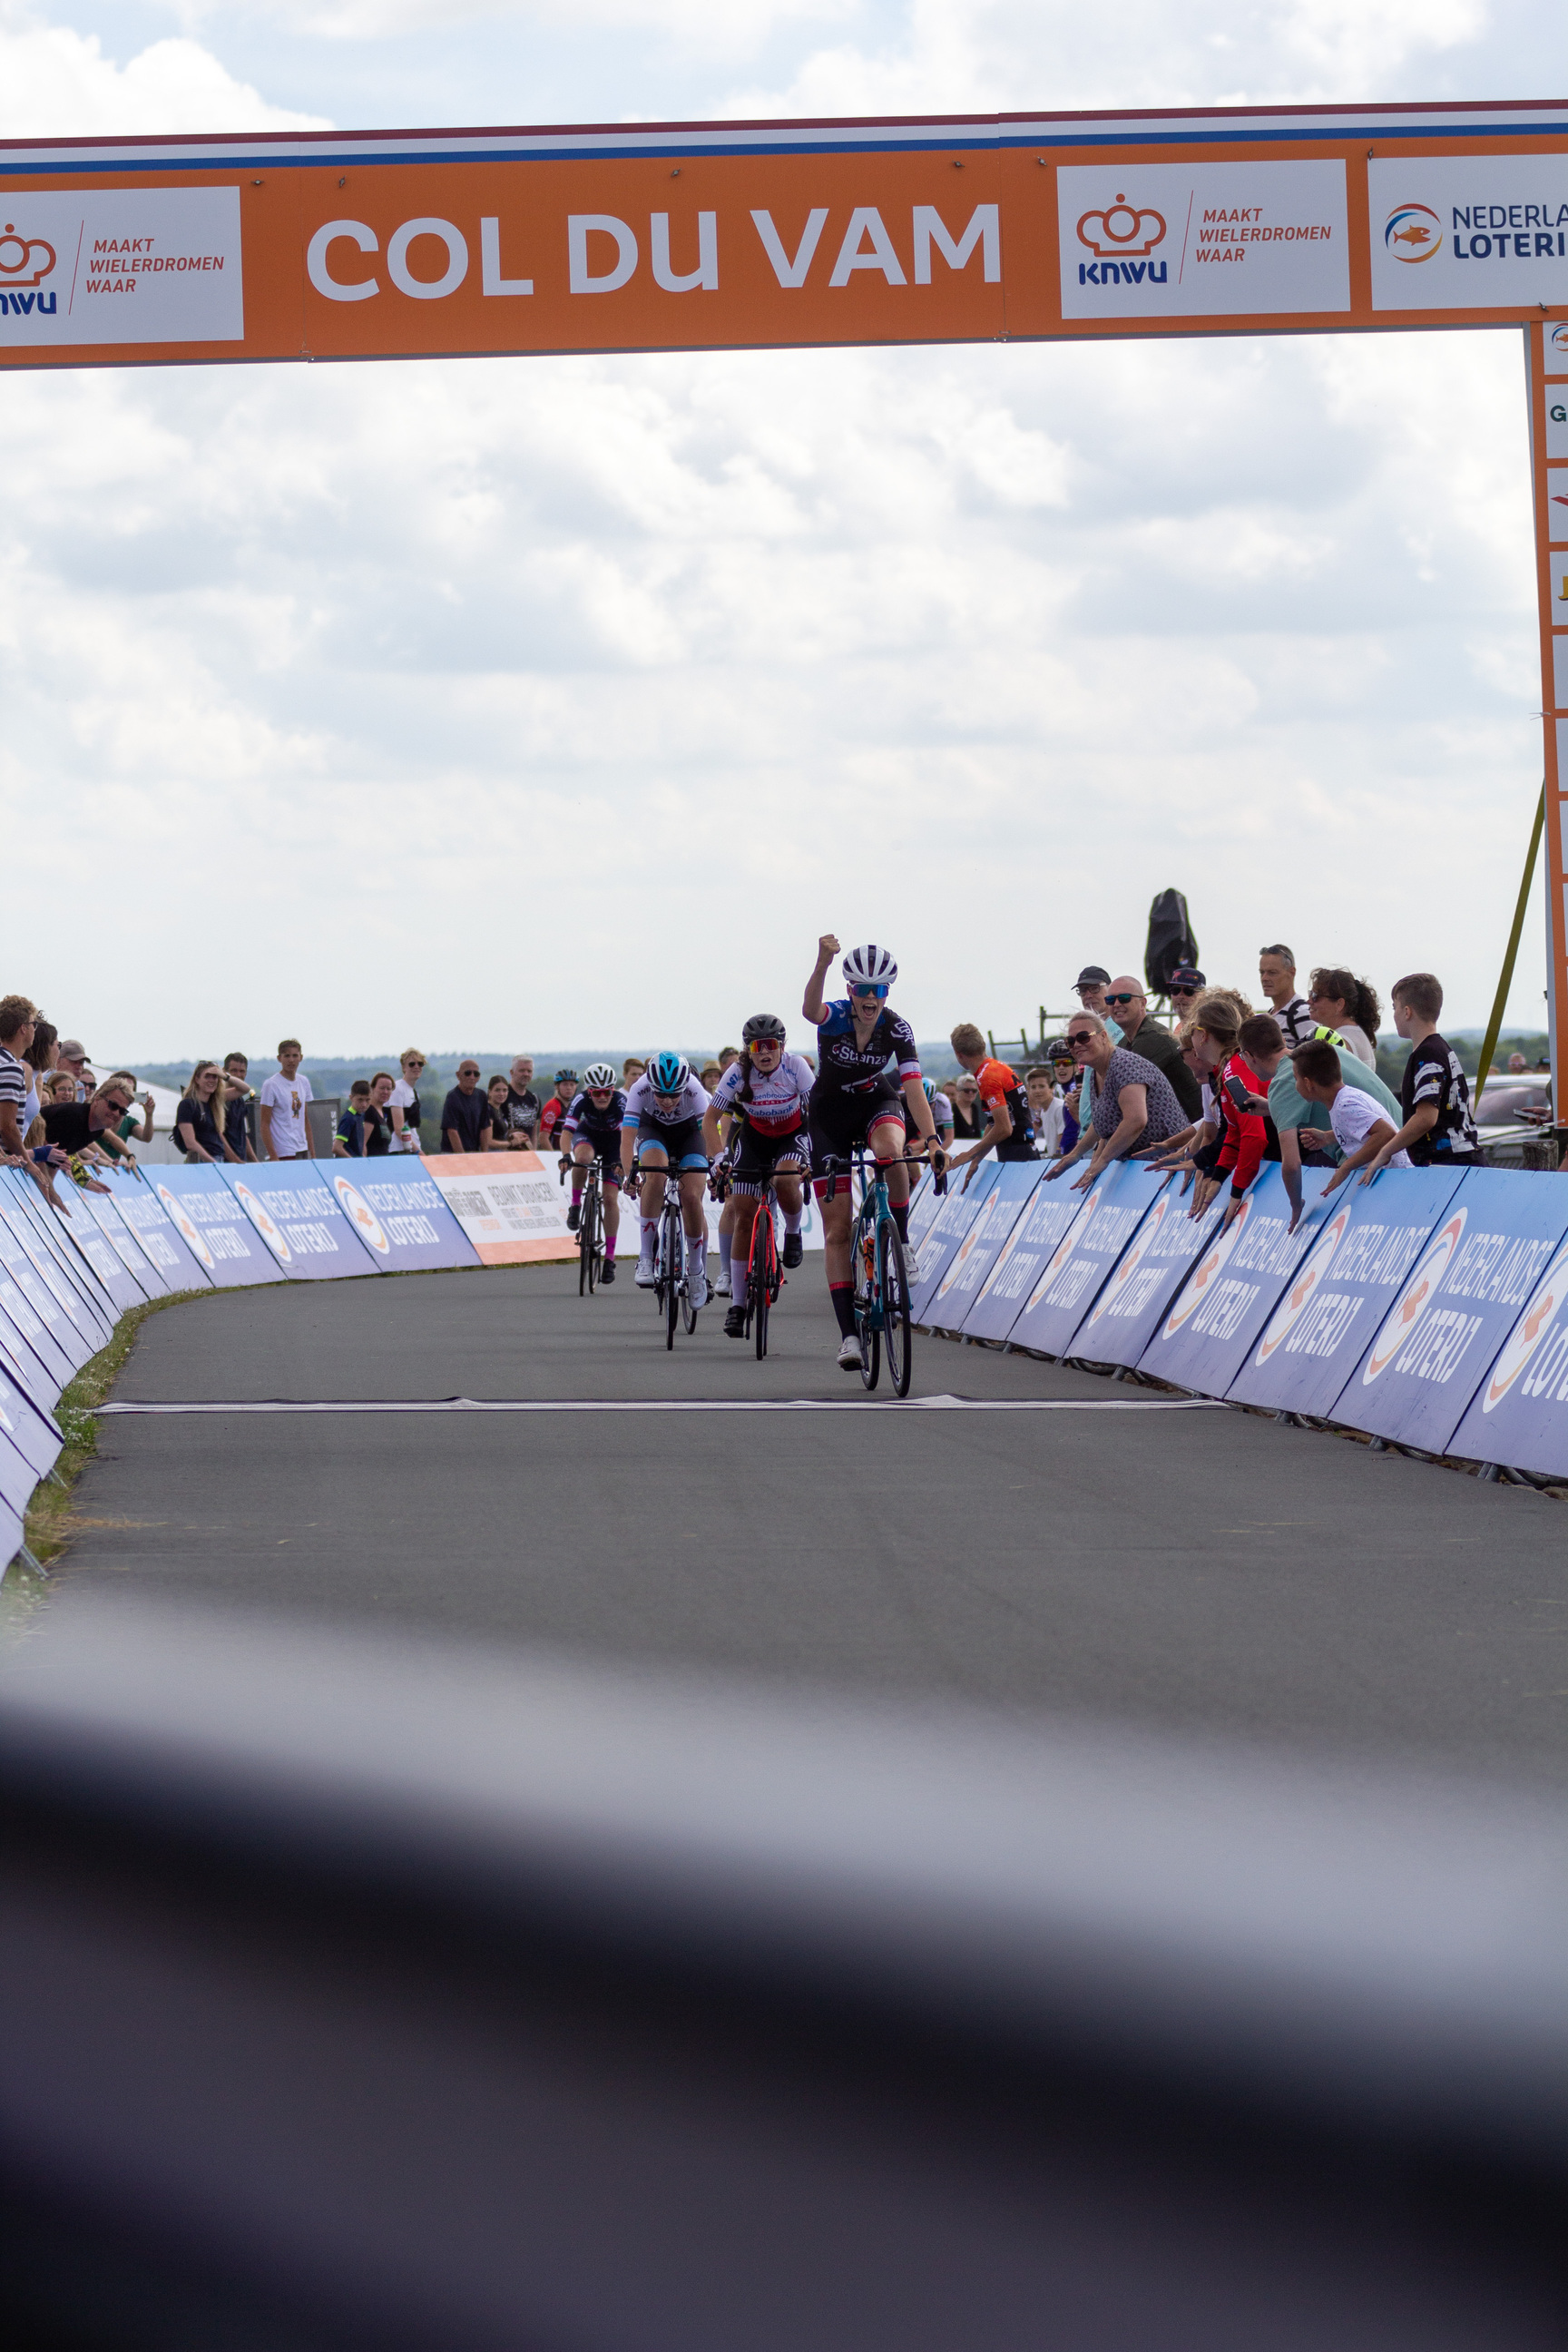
[
  {"x": 1557, "y": 342},
  {"x": 362, "y": 1216},
  {"x": 1121, "y": 231},
  {"x": 1546, "y": 1303},
  {"x": 261, "y": 1219},
  {"x": 1414, "y": 233},
  {"x": 187, "y": 1231},
  {"x": 1415, "y": 1298},
  {"x": 1294, "y": 1304}
]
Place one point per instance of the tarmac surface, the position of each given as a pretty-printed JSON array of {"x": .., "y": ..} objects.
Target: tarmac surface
[{"x": 1177, "y": 1569}]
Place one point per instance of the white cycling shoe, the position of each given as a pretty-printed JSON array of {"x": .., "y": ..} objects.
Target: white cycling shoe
[
  {"x": 697, "y": 1288},
  {"x": 849, "y": 1353},
  {"x": 646, "y": 1276},
  {"x": 722, "y": 1288},
  {"x": 911, "y": 1262}
]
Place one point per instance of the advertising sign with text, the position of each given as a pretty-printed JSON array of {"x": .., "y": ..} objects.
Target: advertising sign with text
[
  {"x": 1230, "y": 1293},
  {"x": 1069, "y": 1282},
  {"x": 213, "y": 1225},
  {"x": 119, "y": 265},
  {"x": 1049, "y": 1213},
  {"x": 1203, "y": 240},
  {"x": 971, "y": 1261},
  {"x": 300, "y": 1219},
  {"x": 957, "y": 1211},
  {"x": 1146, "y": 1277},
  {"x": 1461, "y": 232}
]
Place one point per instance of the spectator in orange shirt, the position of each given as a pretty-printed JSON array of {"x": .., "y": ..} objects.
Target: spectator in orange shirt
[{"x": 1008, "y": 1131}]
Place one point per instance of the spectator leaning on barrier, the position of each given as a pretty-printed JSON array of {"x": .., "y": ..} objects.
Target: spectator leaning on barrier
[
  {"x": 1008, "y": 1131},
  {"x": 1276, "y": 978},
  {"x": 18, "y": 1016},
  {"x": 282, "y": 1108},
  {"x": 1437, "y": 1127},
  {"x": 71, "y": 1127},
  {"x": 1126, "y": 1003},
  {"x": 1045, "y": 1109},
  {"x": 198, "y": 1121},
  {"x": 70, "y": 1056},
  {"x": 1135, "y": 1107},
  {"x": 1246, "y": 1134},
  {"x": 1089, "y": 988},
  {"x": 40, "y": 1060},
  {"x": 1362, "y": 1129},
  {"x": 465, "y": 1118},
  {"x": 1303, "y": 1127},
  {"x": 1339, "y": 1002}
]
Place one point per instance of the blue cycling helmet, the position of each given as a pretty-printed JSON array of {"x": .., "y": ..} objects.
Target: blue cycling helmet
[
  {"x": 668, "y": 1073},
  {"x": 927, "y": 1089}
]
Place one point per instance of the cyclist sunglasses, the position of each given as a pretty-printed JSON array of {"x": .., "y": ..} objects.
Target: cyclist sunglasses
[{"x": 878, "y": 988}]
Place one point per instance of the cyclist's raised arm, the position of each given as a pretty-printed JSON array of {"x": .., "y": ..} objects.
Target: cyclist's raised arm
[{"x": 813, "y": 1008}]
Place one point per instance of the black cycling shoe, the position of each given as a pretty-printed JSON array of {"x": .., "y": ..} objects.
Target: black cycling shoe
[
  {"x": 735, "y": 1323},
  {"x": 574, "y": 1216},
  {"x": 794, "y": 1249},
  {"x": 607, "y": 1271}
]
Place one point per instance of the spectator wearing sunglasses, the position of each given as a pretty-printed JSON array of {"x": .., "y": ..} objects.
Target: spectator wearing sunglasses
[
  {"x": 1133, "y": 1103},
  {"x": 1187, "y": 984},
  {"x": 1126, "y": 1000},
  {"x": 403, "y": 1105}
]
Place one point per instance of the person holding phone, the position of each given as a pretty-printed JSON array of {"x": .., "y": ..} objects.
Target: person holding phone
[{"x": 1247, "y": 1138}]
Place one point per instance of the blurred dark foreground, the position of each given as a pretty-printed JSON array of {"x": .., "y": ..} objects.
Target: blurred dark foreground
[{"x": 363, "y": 1993}]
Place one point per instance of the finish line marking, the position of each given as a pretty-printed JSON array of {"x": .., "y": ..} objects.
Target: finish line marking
[{"x": 705, "y": 1404}]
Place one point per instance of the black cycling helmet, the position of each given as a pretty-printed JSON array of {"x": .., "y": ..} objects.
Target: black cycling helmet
[
  {"x": 565, "y": 1077},
  {"x": 764, "y": 1024},
  {"x": 1056, "y": 1049}
]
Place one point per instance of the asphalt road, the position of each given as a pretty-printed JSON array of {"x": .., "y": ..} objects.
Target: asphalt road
[{"x": 1173, "y": 1568}]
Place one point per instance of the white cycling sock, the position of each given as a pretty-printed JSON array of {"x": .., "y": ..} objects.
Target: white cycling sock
[
  {"x": 725, "y": 1243},
  {"x": 649, "y": 1235},
  {"x": 792, "y": 1218}
]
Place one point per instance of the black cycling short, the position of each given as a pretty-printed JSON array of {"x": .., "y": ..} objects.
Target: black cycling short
[
  {"x": 682, "y": 1141},
  {"x": 761, "y": 1156},
  {"x": 840, "y": 1119},
  {"x": 607, "y": 1150}
]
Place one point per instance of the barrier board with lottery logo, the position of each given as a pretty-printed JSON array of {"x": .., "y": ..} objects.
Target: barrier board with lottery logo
[
  {"x": 1219, "y": 1312},
  {"x": 1071, "y": 1279},
  {"x": 214, "y": 1226},
  {"x": 399, "y": 1215},
  {"x": 155, "y": 1231},
  {"x": 1369, "y": 1238},
  {"x": 977, "y": 1252},
  {"x": 957, "y": 1212},
  {"x": 1050, "y": 1210},
  {"x": 1146, "y": 1277},
  {"x": 1520, "y": 1414},
  {"x": 292, "y": 1207},
  {"x": 1464, "y": 1297}
]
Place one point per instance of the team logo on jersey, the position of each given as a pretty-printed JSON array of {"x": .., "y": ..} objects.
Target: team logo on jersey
[
  {"x": 362, "y": 1216},
  {"x": 1524, "y": 1340},
  {"x": 1205, "y": 1274},
  {"x": 260, "y": 1217},
  {"x": 1416, "y": 1297},
  {"x": 187, "y": 1231},
  {"x": 1294, "y": 1304},
  {"x": 1411, "y": 233},
  {"x": 1129, "y": 1264}
]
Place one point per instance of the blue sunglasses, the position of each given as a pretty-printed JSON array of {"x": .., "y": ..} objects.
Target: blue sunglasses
[{"x": 869, "y": 988}]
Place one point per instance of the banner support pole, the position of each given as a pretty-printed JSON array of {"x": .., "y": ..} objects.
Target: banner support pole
[
  {"x": 1546, "y": 384},
  {"x": 1500, "y": 1003}
]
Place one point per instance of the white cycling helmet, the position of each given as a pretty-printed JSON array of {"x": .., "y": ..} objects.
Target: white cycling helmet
[
  {"x": 872, "y": 965},
  {"x": 599, "y": 1075}
]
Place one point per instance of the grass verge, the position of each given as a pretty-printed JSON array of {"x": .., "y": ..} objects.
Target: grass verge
[{"x": 51, "y": 1510}]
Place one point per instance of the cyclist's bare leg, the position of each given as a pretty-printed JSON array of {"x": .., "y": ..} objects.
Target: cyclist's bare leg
[
  {"x": 651, "y": 1165},
  {"x": 838, "y": 1216},
  {"x": 744, "y": 1206}
]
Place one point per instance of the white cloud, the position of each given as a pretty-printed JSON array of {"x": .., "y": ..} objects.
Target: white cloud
[{"x": 56, "y": 83}]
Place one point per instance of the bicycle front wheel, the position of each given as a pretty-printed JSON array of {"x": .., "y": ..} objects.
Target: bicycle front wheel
[
  {"x": 763, "y": 1281},
  {"x": 586, "y": 1243},
  {"x": 896, "y": 1325},
  {"x": 674, "y": 1273}
]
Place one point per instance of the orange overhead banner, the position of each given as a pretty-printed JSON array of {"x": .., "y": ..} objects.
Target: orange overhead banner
[{"x": 407, "y": 244}]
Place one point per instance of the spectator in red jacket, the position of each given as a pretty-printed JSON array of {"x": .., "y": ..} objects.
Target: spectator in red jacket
[{"x": 1245, "y": 1138}]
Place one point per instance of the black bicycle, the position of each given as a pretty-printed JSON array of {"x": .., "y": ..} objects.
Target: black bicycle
[
  {"x": 672, "y": 1262},
  {"x": 880, "y": 1297},
  {"x": 590, "y": 1229}
]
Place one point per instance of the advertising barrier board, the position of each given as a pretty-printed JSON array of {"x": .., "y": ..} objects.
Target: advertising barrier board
[
  {"x": 1368, "y": 1238},
  {"x": 512, "y": 1214},
  {"x": 1226, "y": 1301},
  {"x": 22, "y": 1367},
  {"x": 104, "y": 1210},
  {"x": 75, "y": 1280},
  {"x": 32, "y": 1430},
  {"x": 84, "y": 1233},
  {"x": 213, "y": 1225},
  {"x": 399, "y": 1214},
  {"x": 924, "y": 1203},
  {"x": 155, "y": 1231},
  {"x": 1048, "y": 1211},
  {"x": 1070, "y": 1280},
  {"x": 1146, "y": 1277},
  {"x": 1436, "y": 1342},
  {"x": 57, "y": 1340},
  {"x": 290, "y": 1205},
  {"x": 955, "y": 1213},
  {"x": 976, "y": 1253},
  {"x": 1518, "y": 1415}
]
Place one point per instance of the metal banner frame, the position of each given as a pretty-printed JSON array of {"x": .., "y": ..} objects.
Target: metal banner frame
[{"x": 376, "y": 245}]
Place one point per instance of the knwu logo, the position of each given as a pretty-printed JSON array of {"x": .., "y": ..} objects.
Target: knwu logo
[
  {"x": 1121, "y": 235},
  {"x": 25, "y": 262}
]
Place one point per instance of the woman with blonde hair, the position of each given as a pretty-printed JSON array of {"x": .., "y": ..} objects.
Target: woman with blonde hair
[{"x": 196, "y": 1122}]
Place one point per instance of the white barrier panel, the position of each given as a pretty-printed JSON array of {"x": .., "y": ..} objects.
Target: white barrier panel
[
  {"x": 155, "y": 1231},
  {"x": 510, "y": 1205}
]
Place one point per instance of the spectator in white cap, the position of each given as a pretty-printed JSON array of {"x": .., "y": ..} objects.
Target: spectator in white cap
[{"x": 70, "y": 1056}]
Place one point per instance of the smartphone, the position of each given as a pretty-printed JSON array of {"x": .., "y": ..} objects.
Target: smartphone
[{"x": 1240, "y": 1095}]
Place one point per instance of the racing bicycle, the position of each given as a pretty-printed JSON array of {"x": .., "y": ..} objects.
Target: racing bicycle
[
  {"x": 590, "y": 1231},
  {"x": 765, "y": 1274},
  {"x": 880, "y": 1297},
  {"x": 673, "y": 1263}
]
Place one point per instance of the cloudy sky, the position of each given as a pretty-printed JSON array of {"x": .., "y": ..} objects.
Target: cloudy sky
[{"x": 555, "y": 700}]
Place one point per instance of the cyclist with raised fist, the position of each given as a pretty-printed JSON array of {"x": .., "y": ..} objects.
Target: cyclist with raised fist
[
  {"x": 661, "y": 1128},
  {"x": 767, "y": 1092},
  {"x": 592, "y": 1130},
  {"x": 854, "y": 1101}
]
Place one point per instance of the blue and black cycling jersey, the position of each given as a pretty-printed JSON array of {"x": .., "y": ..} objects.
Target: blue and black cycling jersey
[
  {"x": 844, "y": 1067},
  {"x": 585, "y": 1118}
]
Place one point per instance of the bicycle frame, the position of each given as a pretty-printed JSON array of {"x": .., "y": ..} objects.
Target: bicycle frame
[{"x": 880, "y": 1283}]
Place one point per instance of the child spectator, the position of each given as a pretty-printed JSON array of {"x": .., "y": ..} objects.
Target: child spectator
[
  {"x": 238, "y": 1096},
  {"x": 1361, "y": 1130},
  {"x": 1439, "y": 1129},
  {"x": 1063, "y": 1068},
  {"x": 1045, "y": 1112},
  {"x": 349, "y": 1141}
]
